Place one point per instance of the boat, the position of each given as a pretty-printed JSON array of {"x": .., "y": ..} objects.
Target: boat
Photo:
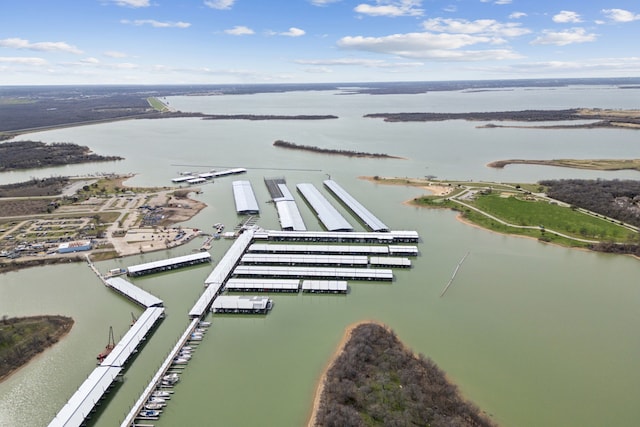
[
  {"x": 111, "y": 343},
  {"x": 149, "y": 413},
  {"x": 187, "y": 348},
  {"x": 204, "y": 324},
  {"x": 161, "y": 394},
  {"x": 153, "y": 406},
  {"x": 180, "y": 361},
  {"x": 156, "y": 400},
  {"x": 170, "y": 379}
]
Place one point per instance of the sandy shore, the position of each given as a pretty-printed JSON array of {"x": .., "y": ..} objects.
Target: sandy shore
[{"x": 320, "y": 387}]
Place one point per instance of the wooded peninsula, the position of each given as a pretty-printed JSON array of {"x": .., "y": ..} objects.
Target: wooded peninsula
[
  {"x": 22, "y": 338},
  {"x": 285, "y": 144},
  {"x": 15, "y": 155},
  {"x": 376, "y": 381}
]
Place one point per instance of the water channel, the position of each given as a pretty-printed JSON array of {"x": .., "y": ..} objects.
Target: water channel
[{"x": 534, "y": 334}]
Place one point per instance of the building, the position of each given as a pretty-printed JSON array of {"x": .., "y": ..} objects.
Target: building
[{"x": 79, "y": 246}]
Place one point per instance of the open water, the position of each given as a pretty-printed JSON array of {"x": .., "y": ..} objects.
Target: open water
[{"x": 533, "y": 334}]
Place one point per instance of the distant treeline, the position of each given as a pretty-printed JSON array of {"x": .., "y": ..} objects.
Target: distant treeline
[
  {"x": 606, "y": 118},
  {"x": 34, "y": 187},
  {"x": 376, "y": 382},
  {"x": 348, "y": 153},
  {"x": 35, "y": 154},
  {"x": 618, "y": 199}
]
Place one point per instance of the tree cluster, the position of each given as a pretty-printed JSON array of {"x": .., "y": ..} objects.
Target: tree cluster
[
  {"x": 34, "y": 187},
  {"x": 348, "y": 153},
  {"x": 376, "y": 381},
  {"x": 23, "y": 338},
  {"x": 36, "y": 154},
  {"x": 617, "y": 199}
]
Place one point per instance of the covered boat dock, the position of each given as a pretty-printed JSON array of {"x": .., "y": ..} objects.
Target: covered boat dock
[
  {"x": 263, "y": 285},
  {"x": 245, "y": 198},
  {"x": 391, "y": 237},
  {"x": 244, "y": 271},
  {"x": 275, "y": 248},
  {"x": 133, "y": 292},
  {"x": 371, "y": 221},
  {"x": 328, "y": 215},
  {"x": 241, "y": 304},
  {"x": 168, "y": 264},
  {"x": 324, "y": 286},
  {"x": 300, "y": 259}
]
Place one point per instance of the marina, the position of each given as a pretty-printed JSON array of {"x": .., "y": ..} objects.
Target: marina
[{"x": 168, "y": 264}]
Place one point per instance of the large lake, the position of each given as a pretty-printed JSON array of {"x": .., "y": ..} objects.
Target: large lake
[{"x": 533, "y": 334}]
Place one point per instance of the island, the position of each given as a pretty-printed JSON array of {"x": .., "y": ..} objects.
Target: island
[
  {"x": 16, "y": 155},
  {"x": 348, "y": 153},
  {"x": 22, "y": 338},
  {"x": 374, "y": 380},
  {"x": 591, "y": 117}
]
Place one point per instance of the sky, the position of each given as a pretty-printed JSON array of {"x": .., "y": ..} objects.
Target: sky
[{"x": 307, "y": 41}]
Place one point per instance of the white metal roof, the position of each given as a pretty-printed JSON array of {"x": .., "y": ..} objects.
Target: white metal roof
[
  {"x": 131, "y": 340},
  {"x": 390, "y": 261},
  {"x": 135, "y": 293},
  {"x": 235, "y": 284},
  {"x": 134, "y": 269},
  {"x": 314, "y": 272},
  {"x": 231, "y": 302},
  {"x": 318, "y": 249},
  {"x": 328, "y": 215},
  {"x": 183, "y": 178},
  {"x": 403, "y": 250},
  {"x": 196, "y": 180},
  {"x": 363, "y": 213},
  {"x": 228, "y": 172},
  {"x": 324, "y": 285},
  {"x": 83, "y": 401},
  {"x": 337, "y": 236},
  {"x": 244, "y": 197},
  {"x": 289, "y": 215},
  {"x": 303, "y": 259}
]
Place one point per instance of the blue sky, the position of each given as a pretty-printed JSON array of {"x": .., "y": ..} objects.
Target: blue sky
[{"x": 293, "y": 41}]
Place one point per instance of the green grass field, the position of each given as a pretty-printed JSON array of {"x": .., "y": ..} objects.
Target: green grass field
[
  {"x": 550, "y": 216},
  {"x": 157, "y": 105}
]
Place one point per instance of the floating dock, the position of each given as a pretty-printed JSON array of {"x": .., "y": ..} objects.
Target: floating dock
[
  {"x": 329, "y": 216},
  {"x": 245, "y": 198},
  {"x": 403, "y": 250},
  {"x": 369, "y": 274},
  {"x": 262, "y": 285},
  {"x": 203, "y": 177},
  {"x": 389, "y": 261},
  {"x": 300, "y": 259},
  {"x": 324, "y": 286},
  {"x": 275, "y": 248},
  {"x": 370, "y": 220},
  {"x": 168, "y": 264},
  {"x": 241, "y": 304},
  {"x": 215, "y": 281}
]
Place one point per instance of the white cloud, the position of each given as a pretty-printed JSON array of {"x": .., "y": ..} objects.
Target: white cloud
[
  {"x": 391, "y": 8},
  {"x": 114, "y": 54},
  {"x": 23, "y": 60},
  {"x": 90, "y": 60},
  {"x": 427, "y": 45},
  {"x": 566, "y": 16},
  {"x": 293, "y": 32},
  {"x": 517, "y": 15},
  {"x": 621, "y": 15},
  {"x": 16, "y": 43},
  {"x": 132, "y": 3},
  {"x": 156, "y": 24},
  {"x": 219, "y": 4},
  {"x": 562, "y": 38},
  {"x": 488, "y": 27},
  {"x": 497, "y": 1},
  {"x": 239, "y": 30}
]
